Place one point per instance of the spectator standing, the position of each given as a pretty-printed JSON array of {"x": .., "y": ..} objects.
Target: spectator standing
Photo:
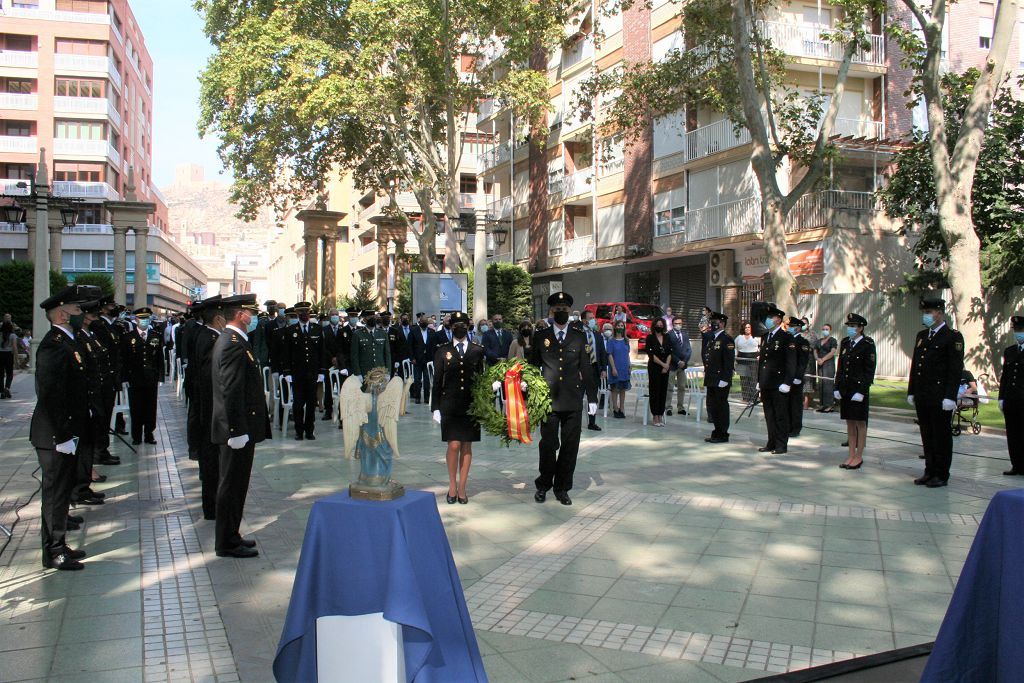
[
  {"x": 8, "y": 348},
  {"x": 25, "y": 350},
  {"x": 810, "y": 381},
  {"x": 619, "y": 316},
  {"x": 857, "y": 359},
  {"x": 659, "y": 362},
  {"x": 825, "y": 360},
  {"x": 496, "y": 341},
  {"x": 618, "y": 368},
  {"x": 668, "y": 317},
  {"x": 747, "y": 346},
  {"x": 1011, "y": 397},
  {"x": 681, "y": 352}
]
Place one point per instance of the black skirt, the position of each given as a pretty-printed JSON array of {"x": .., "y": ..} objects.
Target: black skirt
[
  {"x": 463, "y": 428},
  {"x": 854, "y": 410}
]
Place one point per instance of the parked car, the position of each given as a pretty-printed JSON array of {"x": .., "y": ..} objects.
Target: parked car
[{"x": 639, "y": 317}]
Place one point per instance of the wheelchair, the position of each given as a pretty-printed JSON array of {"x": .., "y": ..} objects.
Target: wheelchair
[{"x": 966, "y": 417}]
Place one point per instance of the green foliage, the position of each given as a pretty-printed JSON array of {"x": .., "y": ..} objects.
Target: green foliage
[
  {"x": 101, "y": 280},
  {"x": 403, "y": 302},
  {"x": 509, "y": 292},
  {"x": 16, "y": 285},
  {"x": 538, "y": 398},
  {"x": 364, "y": 298},
  {"x": 998, "y": 196},
  {"x": 57, "y": 281}
]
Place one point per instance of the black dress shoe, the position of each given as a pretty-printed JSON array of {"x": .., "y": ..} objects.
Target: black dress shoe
[
  {"x": 843, "y": 466},
  {"x": 74, "y": 554},
  {"x": 99, "y": 478},
  {"x": 593, "y": 428},
  {"x": 94, "y": 494},
  {"x": 298, "y": 437},
  {"x": 151, "y": 440},
  {"x": 717, "y": 439},
  {"x": 72, "y": 526},
  {"x": 247, "y": 543},
  {"x": 668, "y": 412},
  {"x": 310, "y": 437},
  {"x": 107, "y": 460},
  {"x": 75, "y": 519},
  {"x": 935, "y": 483},
  {"x": 922, "y": 480},
  {"x": 765, "y": 449},
  {"x": 922, "y": 457},
  {"x": 854, "y": 467},
  {"x": 450, "y": 499},
  {"x": 1011, "y": 473},
  {"x": 209, "y": 516},
  {"x": 563, "y": 498},
  {"x": 239, "y": 552},
  {"x": 794, "y": 435},
  {"x": 845, "y": 444},
  {"x": 326, "y": 417},
  {"x": 89, "y": 500},
  {"x": 122, "y": 432},
  {"x": 683, "y": 412},
  {"x": 464, "y": 501},
  {"x": 540, "y": 496},
  {"x": 62, "y": 561}
]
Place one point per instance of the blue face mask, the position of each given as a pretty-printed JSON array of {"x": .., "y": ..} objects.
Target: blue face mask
[
  {"x": 143, "y": 323},
  {"x": 253, "y": 323},
  {"x": 928, "y": 319},
  {"x": 293, "y": 321},
  {"x": 825, "y": 333},
  {"x": 1019, "y": 336},
  {"x": 280, "y": 311},
  {"x": 769, "y": 324},
  {"x": 335, "y": 319},
  {"x": 851, "y": 332}
]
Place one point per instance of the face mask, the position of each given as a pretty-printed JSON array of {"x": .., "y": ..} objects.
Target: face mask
[
  {"x": 405, "y": 322},
  {"x": 498, "y": 324},
  {"x": 460, "y": 331},
  {"x": 659, "y": 328},
  {"x": 825, "y": 333},
  {"x": 335, "y": 319},
  {"x": 253, "y": 323},
  {"x": 483, "y": 328},
  {"x": 526, "y": 331},
  {"x": 851, "y": 332},
  {"x": 371, "y": 322},
  {"x": 620, "y": 332},
  {"x": 77, "y": 320},
  {"x": 769, "y": 323},
  {"x": 293, "y": 321},
  {"x": 304, "y": 317},
  {"x": 608, "y": 334},
  {"x": 143, "y": 324},
  {"x": 677, "y": 328},
  {"x": 1019, "y": 336},
  {"x": 928, "y": 319},
  {"x": 561, "y": 317},
  {"x": 592, "y": 323},
  {"x": 423, "y": 324},
  {"x": 280, "y": 311},
  {"x": 713, "y": 325},
  {"x": 575, "y": 318}
]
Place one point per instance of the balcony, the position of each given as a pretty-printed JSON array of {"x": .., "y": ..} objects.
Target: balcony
[
  {"x": 818, "y": 209},
  {"x": 55, "y": 15},
  {"x": 86, "y": 105},
  {"x": 579, "y": 183},
  {"x": 580, "y": 52},
  {"x": 19, "y": 144},
  {"x": 859, "y": 128},
  {"x": 9, "y": 186},
  {"x": 713, "y": 138},
  {"x": 84, "y": 190},
  {"x": 93, "y": 148},
  {"x": 804, "y": 40},
  {"x": 466, "y": 200},
  {"x": 730, "y": 219},
  {"x": 89, "y": 64},
  {"x": 12, "y": 227},
  {"x": 497, "y": 155},
  {"x": 10, "y": 100},
  {"x": 578, "y": 250},
  {"x": 487, "y": 109},
  {"x": 92, "y": 229},
  {"x": 500, "y": 209},
  {"x": 19, "y": 59},
  {"x": 555, "y": 184}
]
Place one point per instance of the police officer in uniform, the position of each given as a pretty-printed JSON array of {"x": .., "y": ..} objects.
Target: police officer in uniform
[
  {"x": 560, "y": 351},
  {"x": 719, "y": 355},
  {"x": 796, "y": 395},
  {"x": 396, "y": 344},
  {"x": 278, "y": 348},
  {"x": 191, "y": 383},
  {"x": 935, "y": 373},
  {"x": 60, "y": 419},
  {"x": 143, "y": 354},
  {"x": 855, "y": 374},
  {"x": 1011, "y": 397},
  {"x": 456, "y": 367},
  {"x": 332, "y": 337},
  {"x": 306, "y": 364},
  {"x": 238, "y": 421},
  {"x": 107, "y": 335},
  {"x": 209, "y": 454},
  {"x": 370, "y": 348},
  {"x": 261, "y": 337},
  {"x": 776, "y": 368},
  {"x": 96, "y": 364}
]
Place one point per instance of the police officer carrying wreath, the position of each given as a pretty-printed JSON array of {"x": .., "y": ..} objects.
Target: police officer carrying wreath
[
  {"x": 561, "y": 354},
  {"x": 370, "y": 347},
  {"x": 776, "y": 367},
  {"x": 935, "y": 373},
  {"x": 306, "y": 363},
  {"x": 719, "y": 355},
  {"x": 143, "y": 355},
  {"x": 1011, "y": 397}
]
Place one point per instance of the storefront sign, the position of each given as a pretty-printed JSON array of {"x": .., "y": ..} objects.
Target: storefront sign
[{"x": 803, "y": 260}]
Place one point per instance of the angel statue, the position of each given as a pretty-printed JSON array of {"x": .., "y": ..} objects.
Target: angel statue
[{"x": 369, "y": 416}]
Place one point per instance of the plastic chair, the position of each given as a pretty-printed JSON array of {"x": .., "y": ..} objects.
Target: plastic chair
[
  {"x": 641, "y": 389},
  {"x": 267, "y": 386},
  {"x": 120, "y": 407},
  {"x": 286, "y": 400},
  {"x": 334, "y": 377},
  {"x": 602, "y": 392},
  {"x": 179, "y": 372},
  {"x": 695, "y": 387},
  {"x": 407, "y": 377},
  {"x": 430, "y": 374}
]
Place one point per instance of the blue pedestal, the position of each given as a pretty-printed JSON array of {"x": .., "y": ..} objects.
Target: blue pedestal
[
  {"x": 362, "y": 557},
  {"x": 982, "y": 635}
]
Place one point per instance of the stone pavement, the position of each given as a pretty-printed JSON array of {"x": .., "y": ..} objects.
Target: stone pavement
[{"x": 679, "y": 561}]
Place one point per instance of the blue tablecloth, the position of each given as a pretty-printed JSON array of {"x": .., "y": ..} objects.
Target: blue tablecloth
[
  {"x": 362, "y": 557},
  {"x": 982, "y": 636}
]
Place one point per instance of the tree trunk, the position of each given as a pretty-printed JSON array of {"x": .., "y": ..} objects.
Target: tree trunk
[
  {"x": 425, "y": 238},
  {"x": 965, "y": 282},
  {"x": 783, "y": 281}
]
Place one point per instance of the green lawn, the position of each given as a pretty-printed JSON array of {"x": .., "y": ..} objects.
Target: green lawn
[{"x": 889, "y": 396}]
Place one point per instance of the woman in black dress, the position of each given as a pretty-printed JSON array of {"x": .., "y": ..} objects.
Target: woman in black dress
[
  {"x": 456, "y": 366},
  {"x": 659, "y": 357},
  {"x": 857, "y": 357}
]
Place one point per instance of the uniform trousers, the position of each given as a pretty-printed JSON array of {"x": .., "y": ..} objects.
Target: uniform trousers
[
  {"x": 328, "y": 395},
  {"x": 796, "y": 409},
  {"x": 101, "y": 430},
  {"x": 193, "y": 430},
  {"x": 58, "y": 479},
  {"x": 84, "y": 456},
  {"x": 776, "y": 418},
  {"x": 304, "y": 405},
  {"x": 420, "y": 383},
  {"x": 559, "y": 445},
  {"x": 209, "y": 477},
  {"x": 142, "y": 402},
  {"x": 718, "y": 410},
  {"x": 936, "y": 437},
  {"x": 275, "y": 387},
  {"x": 1013, "y": 411},
  {"x": 235, "y": 467}
]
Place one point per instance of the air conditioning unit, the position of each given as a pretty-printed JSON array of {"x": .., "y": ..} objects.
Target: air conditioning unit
[{"x": 721, "y": 268}]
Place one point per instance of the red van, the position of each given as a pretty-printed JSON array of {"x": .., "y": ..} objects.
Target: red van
[{"x": 639, "y": 317}]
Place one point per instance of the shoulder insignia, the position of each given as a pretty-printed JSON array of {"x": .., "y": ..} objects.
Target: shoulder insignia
[
  {"x": 731, "y": 346},
  {"x": 78, "y": 357},
  {"x": 249, "y": 353},
  {"x": 547, "y": 343},
  {"x": 959, "y": 346}
]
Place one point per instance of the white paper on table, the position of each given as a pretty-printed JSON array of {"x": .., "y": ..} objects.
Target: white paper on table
[{"x": 364, "y": 648}]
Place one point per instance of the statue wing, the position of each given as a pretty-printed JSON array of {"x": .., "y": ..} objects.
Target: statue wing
[
  {"x": 389, "y": 405},
  {"x": 352, "y": 405}
]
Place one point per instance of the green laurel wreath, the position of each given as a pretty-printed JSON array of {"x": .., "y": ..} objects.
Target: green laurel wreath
[{"x": 538, "y": 398}]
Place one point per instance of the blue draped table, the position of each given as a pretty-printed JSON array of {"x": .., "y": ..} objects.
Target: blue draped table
[
  {"x": 363, "y": 557},
  {"x": 982, "y": 635}
]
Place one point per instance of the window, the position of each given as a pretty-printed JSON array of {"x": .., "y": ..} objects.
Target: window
[
  {"x": 74, "y": 46},
  {"x": 21, "y": 129},
  {"x": 16, "y": 171},
  {"x": 80, "y": 87},
  {"x": 662, "y": 49},
  {"x": 25, "y": 4},
  {"x": 984, "y": 33},
  {"x": 77, "y": 172},
  {"x": 81, "y": 130},
  {"x": 670, "y": 211},
  {"x": 22, "y": 86},
  {"x": 90, "y": 214},
  {"x": 611, "y": 156},
  {"x": 17, "y": 43},
  {"x": 89, "y": 6},
  {"x": 467, "y": 184}
]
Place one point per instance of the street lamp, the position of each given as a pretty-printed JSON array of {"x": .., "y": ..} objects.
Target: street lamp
[
  {"x": 13, "y": 214},
  {"x": 500, "y": 233},
  {"x": 69, "y": 216},
  {"x": 459, "y": 231}
]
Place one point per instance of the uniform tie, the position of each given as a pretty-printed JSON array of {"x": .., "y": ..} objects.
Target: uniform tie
[
  {"x": 931, "y": 333},
  {"x": 462, "y": 348},
  {"x": 561, "y": 336}
]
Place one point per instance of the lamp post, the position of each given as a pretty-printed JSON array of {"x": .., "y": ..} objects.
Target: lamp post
[{"x": 41, "y": 266}]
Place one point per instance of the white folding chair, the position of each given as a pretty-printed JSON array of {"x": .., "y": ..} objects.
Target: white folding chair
[
  {"x": 285, "y": 397},
  {"x": 430, "y": 374},
  {"x": 641, "y": 389},
  {"x": 179, "y": 370},
  {"x": 120, "y": 407},
  {"x": 334, "y": 377},
  {"x": 406, "y": 384},
  {"x": 172, "y": 364},
  {"x": 602, "y": 391},
  {"x": 695, "y": 388},
  {"x": 268, "y": 390}
]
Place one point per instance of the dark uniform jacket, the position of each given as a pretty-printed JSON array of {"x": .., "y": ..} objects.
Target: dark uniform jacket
[
  {"x": 343, "y": 354},
  {"x": 278, "y": 349},
  {"x": 936, "y": 366},
  {"x": 183, "y": 342},
  {"x": 62, "y": 394},
  {"x": 191, "y": 384},
  {"x": 566, "y": 368},
  {"x": 370, "y": 349},
  {"x": 304, "y": 353},
  {"x": 803, "y": 356},
  {"x": 1011, "y": 382},
  {"x": 202, "y": 365},
  {"x": 776, "y": 360},
  {"x": 856, "y": 369},
  {"x": 108, "y": 337},
  {"x": 454, "y": 376},
  {"x": 239, "y": 406},
  {"x": 95, "y": 356},
  {"x": 332, "y": 337},
  {"x": 260, "y": 338},
  {"x": 143, "y": 360},
  {"x": 719, "y": 356},
  {"x": 398, "y": 344},
  {"x": 422, "y": 352}
]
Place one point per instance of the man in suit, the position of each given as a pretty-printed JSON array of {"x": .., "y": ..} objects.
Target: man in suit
[
  {"x": 935, "y": 373},
  {"x": 370, "y": 347},
  {"x": 306, "y": 364},
  {"x": 561, "y": 353},
  {"x": 719, "y": 356},
  {"x": 396, "y": 343},
  {"x": 803, "y": 356},
  {"x": 423, "y": 343},
  {"x": 496, "y": 340},
  {"x": 598, "y": 356},
  {"x": 144, "y": 364},
  {"x": 60, "y": 419},
  {"x": 333, "y": 332},
  {"x": 1011, "y": 397},
  {"x": 238, "y": 420},
  {"x": 109, "y": 337},
  {"x": 776, "y": 367},
  {"x": 681, "y": 353},
  {"x": 445, "y": 331}
]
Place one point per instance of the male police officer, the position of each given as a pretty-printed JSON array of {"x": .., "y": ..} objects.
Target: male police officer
[
  {"x": 96, "y": 367},
  {"x": 776, "y": 367},
  {"x": 796, "y": 395},
  {"x": 142, "y": 350},
  {"x": 934, "y": 380},
  {"x": 191, "y": 384},
  {"x": 107, "y": 335},
  {"x": 719, "y": 355},
  {"x": 306, "y": 364},
  {"x": 202, "y": 357},
  {"x": 370, "y": 348},
  {"x": 1011, "y": 396},
  {"x": 560, "y": 351}
]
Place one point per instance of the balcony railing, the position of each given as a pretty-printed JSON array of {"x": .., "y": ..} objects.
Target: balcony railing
[
  {"x": 581, "y": 51},
  {"x": 19, "y": 144},
  {"x": 92, "y": 229},
  {"x": 859, "y": 128},
  {"x": 497, "y": 155},
  {"x": 84, "y": 190},
  {"x": 578, "y": 183},
  {"x": 817, "y": 210},
  {"x": 97, "y": 148},
  {"x": 19, "y": 59},
  {"x": 466, "y": 200},
  {"x": 556, "y": 241},
  {"x": 10, "y": 186},
  {"x": 804, "y": 40},
  {"x": 713, "y": 138},
  {"x": 89, "y": 63},
  {"x": 13, "y": 227},
  {"x": 56, "y": 15},
  {"x": 86, "y": 105},
  {"x": 578, "y": 250},
  {"x": 500, "y": 209},
  {"x": 26, "y": 102},
  {"x": 739, "y": 217},
  {"x": 555, "y": 184}
]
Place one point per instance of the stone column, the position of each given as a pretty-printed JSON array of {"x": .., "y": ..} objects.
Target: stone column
[
  {"x": 141, "y": 297},
  {"x": 382, "y": 273},
  {"x": 330, "y": 267},
  {"x": 56, "y": 231},
  {"x": 30, "y": 229},
  {"x": 400, "y": 268},
  {"x": 120, "y": 264},
  {"x": 480, "y": 263},
  {"x": 309, "y": 284}
]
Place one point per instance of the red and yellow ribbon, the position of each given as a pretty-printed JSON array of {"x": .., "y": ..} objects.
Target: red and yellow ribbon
[{"x": 515, "y": 406}]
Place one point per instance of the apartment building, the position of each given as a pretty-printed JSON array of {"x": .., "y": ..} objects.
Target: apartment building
[
  {"x": 76, "y": 80},
  {"x": 675, "y": 218}
]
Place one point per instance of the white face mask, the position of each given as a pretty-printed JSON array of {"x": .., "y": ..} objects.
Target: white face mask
[{"x": 608, "y": 334}]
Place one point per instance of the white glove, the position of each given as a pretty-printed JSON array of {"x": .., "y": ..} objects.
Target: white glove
[
  {"x": 522, "y": 387},
  {"x": 124, "y": 385},
  {"x": 910, "y": 399},
  {"x": 591, "y": 409},
  {"x": 344, "y": 373},
  {"x": 857, "y": 398},
  {"x": 798, "y": 381},
  {"x": 287, "y": 378},
  {"x": 237, "y": 442},
  {"x": 319, "y": 378},
  {"x": 838, "y": 396},
  {"x": 757, "y": 387},
  {"x": 360, "y": 378},
  {"x": 1001, "y": 406},
  {"x": 722, "y": 384},
  {"x": 784, "y": 388},
  {"x": 948, "y": 405},
  {"x": 396, "y": 365},
  {"x": 67, "y": 448},
  {"x": 437, "y": 416},
  {"x": 496, "y": 386},
  {"x": 159, "y": 384}
]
